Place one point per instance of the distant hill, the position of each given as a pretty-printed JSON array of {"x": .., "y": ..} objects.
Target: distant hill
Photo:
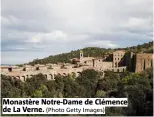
[{"x": 92, "y": 52}]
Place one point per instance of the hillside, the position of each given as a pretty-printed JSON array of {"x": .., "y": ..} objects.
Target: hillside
[{"x": 93, "y": 52}]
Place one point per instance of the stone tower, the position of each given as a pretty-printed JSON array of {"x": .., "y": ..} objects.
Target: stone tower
[
  {"x": 118, "y": 58},
  {"x": 143, "y": 61}
]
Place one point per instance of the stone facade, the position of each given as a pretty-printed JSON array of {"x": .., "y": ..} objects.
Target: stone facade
[
  {"x": 143, "y": 61},
  {"x": 102, "y": 65}
]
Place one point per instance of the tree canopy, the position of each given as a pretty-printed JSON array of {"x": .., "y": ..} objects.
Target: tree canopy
[{"x": 137, "y": 87}]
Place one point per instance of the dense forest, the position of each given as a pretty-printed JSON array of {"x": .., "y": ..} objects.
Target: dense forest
[
  {"x": 93, "y": 52},
  {"x": 138, "y": 87}
]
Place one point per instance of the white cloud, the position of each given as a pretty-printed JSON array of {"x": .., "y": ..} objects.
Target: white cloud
[
  {"x": 103, "y": 43},
  {"x": 56, "y": 35},
  {"x": 63, "y": 25},
  {"x": 136, "y": 22},
  {"x": 139, "y": 23}
]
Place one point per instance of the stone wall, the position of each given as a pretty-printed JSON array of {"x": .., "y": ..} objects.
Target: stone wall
[
  {"x": 143, "y": 61},
  {"x": 107, "y": 65},
  {"x": 89, "y": 62},
  {"x": 98, "y": 63}
]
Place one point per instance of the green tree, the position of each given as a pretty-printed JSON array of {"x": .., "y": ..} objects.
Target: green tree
[
  {"x": 88, "y": 79},
  {"x": 39, "y": 92}
]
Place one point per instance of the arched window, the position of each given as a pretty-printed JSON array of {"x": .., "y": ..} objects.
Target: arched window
[
  {"x": 45, "y": 75},
  {"x": 51, "y": 76},
  {"x": 123, "y": 69}
]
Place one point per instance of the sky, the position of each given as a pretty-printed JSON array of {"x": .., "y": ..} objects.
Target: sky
[{"x": 33, "y": 29}]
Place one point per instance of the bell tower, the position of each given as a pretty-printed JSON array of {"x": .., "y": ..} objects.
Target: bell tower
[{"x": 81, "y": 54}]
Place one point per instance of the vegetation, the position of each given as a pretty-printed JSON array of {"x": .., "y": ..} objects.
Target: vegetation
[
  {"x": 138, "y": 87},
  {"x": 93, "y": 52},
  {"x": 19, "y": 65}
]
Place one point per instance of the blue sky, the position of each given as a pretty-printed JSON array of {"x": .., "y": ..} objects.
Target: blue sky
[{"x": 38, "y": 28}]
